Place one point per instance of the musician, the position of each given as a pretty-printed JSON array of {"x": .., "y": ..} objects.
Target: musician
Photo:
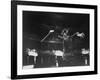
[
  {"x": 64, "y": 34},
  {"x": 66, "y": 39}
]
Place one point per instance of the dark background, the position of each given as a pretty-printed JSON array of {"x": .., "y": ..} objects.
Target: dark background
[{"x": 36, "y": 26}]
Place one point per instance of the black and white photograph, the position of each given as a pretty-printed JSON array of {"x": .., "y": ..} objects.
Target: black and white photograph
[{"x": 53, "y": 38}]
